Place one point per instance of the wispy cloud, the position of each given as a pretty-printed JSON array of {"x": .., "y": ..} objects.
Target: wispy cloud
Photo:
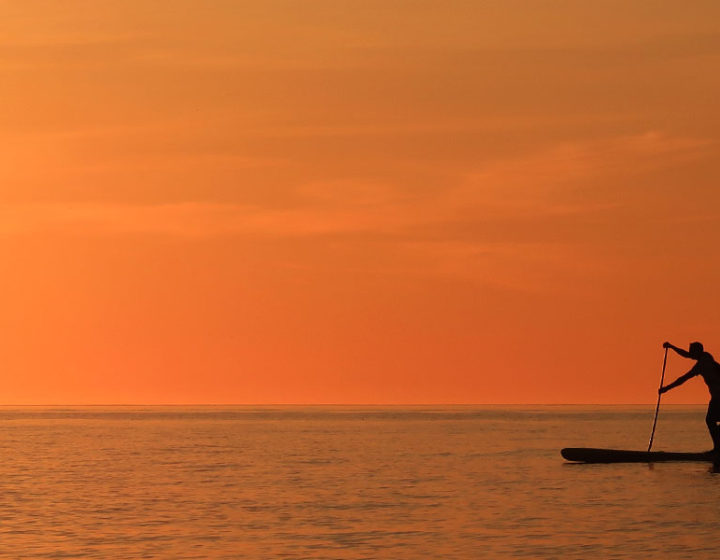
[{"x": 543, "y": 185}]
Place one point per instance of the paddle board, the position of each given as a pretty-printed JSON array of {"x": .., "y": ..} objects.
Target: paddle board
[{"x": 591, "y": 455}]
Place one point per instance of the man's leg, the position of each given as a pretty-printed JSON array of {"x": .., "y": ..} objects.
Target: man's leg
[{"x": 711, "y": 419}]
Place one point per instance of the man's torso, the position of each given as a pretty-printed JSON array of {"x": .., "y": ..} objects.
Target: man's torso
[{"x": 709, "y": 369}]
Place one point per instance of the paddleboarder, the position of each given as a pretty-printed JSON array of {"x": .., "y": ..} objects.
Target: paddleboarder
[{"x": 709, "y": 370}]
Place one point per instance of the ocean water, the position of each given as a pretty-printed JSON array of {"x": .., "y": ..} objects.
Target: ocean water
[{"x": 350, "y": 483}]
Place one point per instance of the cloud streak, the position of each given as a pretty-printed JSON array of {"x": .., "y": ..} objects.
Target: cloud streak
[{"x": 542, "y": 186}]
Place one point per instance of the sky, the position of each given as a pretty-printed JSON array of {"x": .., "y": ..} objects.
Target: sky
[{"x": 334, "y": 201}]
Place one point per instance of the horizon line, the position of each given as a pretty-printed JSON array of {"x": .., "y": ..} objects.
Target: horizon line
[{"x": 340, "y": 404}]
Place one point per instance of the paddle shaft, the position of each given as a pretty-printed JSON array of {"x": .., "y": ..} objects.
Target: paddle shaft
[{"x": 657, "y": 407}]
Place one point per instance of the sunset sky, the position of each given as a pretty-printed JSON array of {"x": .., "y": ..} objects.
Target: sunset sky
[{"x": 331, "y": 201}]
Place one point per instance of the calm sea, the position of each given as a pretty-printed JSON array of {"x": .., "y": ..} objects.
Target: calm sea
[{"x": 350, "y": 483}]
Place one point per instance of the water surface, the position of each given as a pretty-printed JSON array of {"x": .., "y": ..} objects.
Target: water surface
[{"x": 351, "y": 483}]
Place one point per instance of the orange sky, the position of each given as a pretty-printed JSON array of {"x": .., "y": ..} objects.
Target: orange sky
[{"x": 323, "y": 201}]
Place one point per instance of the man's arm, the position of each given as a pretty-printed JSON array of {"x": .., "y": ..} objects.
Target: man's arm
[
  {"x": 683, "y": 353},
  {"x": 679, "y": 381}
]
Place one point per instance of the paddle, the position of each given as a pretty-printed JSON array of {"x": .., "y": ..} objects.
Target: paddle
[{"x": 657, "y": 407}]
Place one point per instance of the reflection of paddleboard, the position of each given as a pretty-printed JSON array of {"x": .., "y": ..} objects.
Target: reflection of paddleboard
[{"x": 590, "y": 455}]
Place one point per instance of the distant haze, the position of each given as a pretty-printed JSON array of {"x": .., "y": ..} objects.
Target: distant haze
[{"x": 356, "y": 202}]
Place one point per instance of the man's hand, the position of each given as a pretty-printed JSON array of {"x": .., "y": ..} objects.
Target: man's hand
[
  {"x": 667, "y": 345},
  {"x": 662, "y": 390}
]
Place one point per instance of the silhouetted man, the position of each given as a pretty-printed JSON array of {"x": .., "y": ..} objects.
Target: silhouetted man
[{"x": 709, "y": 369}]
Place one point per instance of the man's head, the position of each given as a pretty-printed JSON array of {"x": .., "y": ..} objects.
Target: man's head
[{"x": 695, "y": 350}]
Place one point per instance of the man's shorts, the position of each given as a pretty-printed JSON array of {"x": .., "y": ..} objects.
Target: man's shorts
[{"x": 713, "y": 411}]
